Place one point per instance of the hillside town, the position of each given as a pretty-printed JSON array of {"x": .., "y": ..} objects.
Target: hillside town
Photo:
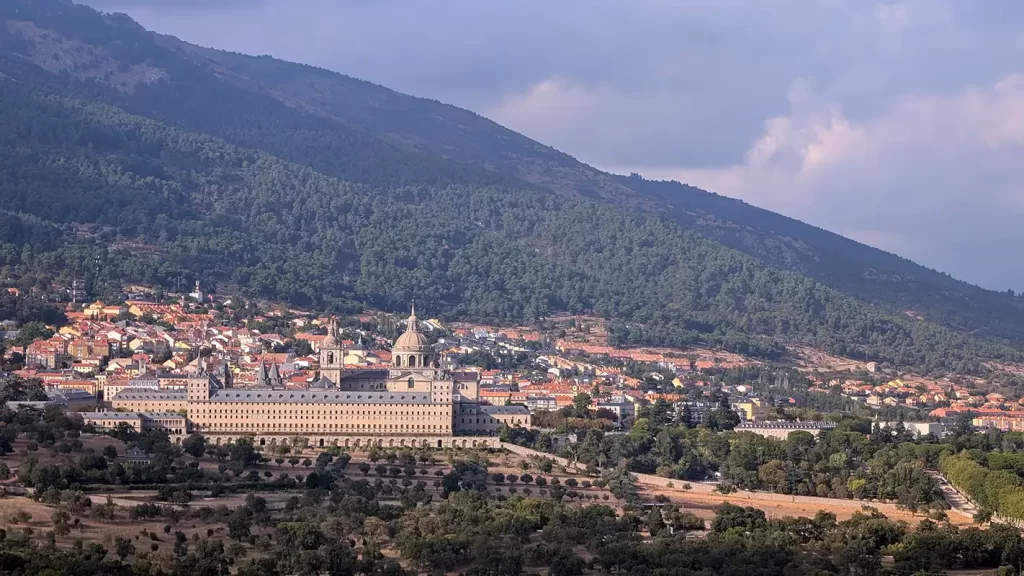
[{"x": 132, "y": 361}]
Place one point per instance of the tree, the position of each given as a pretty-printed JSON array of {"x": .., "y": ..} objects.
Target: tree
[
  {"x": 15, "y": 388},
  {"x": 565, "y": 563},
  {"x": 301, "y": 535},
  {"x": 342, "y": 459},
  {"x": 194, "y": 445},
  {"x": 655, "y": 522},
  {"x": 728, "y": 516},
  {"x": 581, "y": 405},
  {"x": 723, "y": 419},
  {"x": 30, "y": 332},
  {"x": 243, "y": 451},
  {"x": 686, "y": 416},
  {"x": 123, "y": 547},
  {"x": 239, "y": 524},
  {"x": 686, "y": 521},
  {"x": 621, "y": 483}
]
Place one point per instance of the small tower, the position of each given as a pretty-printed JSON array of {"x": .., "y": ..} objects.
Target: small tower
[
  {"x": 227, "y": 378},
  {"x": 332, "y": 355},
  {"x": 262, "y": 377},
  {"x": 199, "y": 389},
  {"x": 197, "y": 294},
  {"x": 275, "y": 377}
]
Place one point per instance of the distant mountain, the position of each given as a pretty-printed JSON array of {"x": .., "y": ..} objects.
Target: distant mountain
[
  {"x": 866, "y": 273},
  {"x": 127, "y": 155}
]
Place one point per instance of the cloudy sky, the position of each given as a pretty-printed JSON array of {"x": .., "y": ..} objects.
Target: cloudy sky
[{"x": 897, "y": 123}]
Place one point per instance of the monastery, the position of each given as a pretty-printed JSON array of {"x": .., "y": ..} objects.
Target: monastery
[{"x": 413, "y": 402}]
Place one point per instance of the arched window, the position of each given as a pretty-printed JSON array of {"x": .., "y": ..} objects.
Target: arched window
[
  {"x": 412, "y": 361},
  {"x": 330, "y": 357},
  {"x": 412, "y": 383}
]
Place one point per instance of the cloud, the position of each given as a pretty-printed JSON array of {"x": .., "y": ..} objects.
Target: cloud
[{"x": 936, "y": 179}]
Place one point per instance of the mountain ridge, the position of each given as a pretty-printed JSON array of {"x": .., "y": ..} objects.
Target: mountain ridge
[
  {"x": 773, "y": 238},
  {"x": 225, "y": 182}
]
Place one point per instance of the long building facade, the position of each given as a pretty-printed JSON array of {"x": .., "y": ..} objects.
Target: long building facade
[{"x": 414, "y": 402}]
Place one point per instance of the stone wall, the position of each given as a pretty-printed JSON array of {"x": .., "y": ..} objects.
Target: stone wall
[{"x": 357, "y": 442}]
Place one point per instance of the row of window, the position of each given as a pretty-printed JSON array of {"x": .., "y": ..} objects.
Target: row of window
[
  {"x": 348, "y": 428},
  {"x": 317, "y": 412}
]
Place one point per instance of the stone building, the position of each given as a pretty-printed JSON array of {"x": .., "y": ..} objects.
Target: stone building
[
  {"x": 172, "y": 422},
  {"x": 150, "y": 400},
  {"x": 413, "y": 402},
  {"x": 781, "y": 430}
]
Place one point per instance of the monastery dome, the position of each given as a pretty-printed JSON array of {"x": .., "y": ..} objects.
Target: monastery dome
[{"x": 412, "y": 340}]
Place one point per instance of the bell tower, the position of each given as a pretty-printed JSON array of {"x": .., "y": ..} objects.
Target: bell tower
[{"x": 332, "y": 355}]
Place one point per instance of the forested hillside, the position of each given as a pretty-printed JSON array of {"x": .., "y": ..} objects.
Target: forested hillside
[
  {"x": 123, "y": 159},
  {"x": 866, "y": 273}
]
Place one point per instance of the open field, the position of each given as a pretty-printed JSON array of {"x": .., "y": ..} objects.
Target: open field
[{"x": 778, "y": 505}]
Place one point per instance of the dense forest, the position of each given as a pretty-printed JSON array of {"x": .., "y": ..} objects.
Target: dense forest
[{"x": 111, "y": 177}]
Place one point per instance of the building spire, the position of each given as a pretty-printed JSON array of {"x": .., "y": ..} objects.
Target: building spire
[
  {"x": 331, "y": 341},
  {"x": 413, "y": 324}
]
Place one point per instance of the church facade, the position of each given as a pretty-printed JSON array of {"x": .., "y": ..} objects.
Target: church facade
[{"x": 414, "y": 402}]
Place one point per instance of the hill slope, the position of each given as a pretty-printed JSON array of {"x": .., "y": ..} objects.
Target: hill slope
[
  {"x": 125, "y": 156},
  {"x": 866, "y": 273}
]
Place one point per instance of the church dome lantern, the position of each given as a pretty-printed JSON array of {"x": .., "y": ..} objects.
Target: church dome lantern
[{"x": 412, "y": 349}]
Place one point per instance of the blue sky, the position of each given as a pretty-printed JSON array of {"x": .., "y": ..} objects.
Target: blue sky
[{"x": 897, "y": 123}]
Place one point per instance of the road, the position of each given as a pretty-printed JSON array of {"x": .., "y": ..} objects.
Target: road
[{"x": 957, "y": 501}]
